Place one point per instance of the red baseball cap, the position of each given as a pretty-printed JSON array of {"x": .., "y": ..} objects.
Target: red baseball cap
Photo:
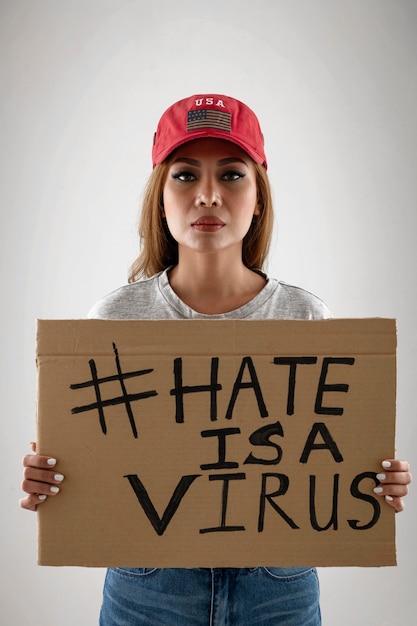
[{"x": 208, "y": 115}]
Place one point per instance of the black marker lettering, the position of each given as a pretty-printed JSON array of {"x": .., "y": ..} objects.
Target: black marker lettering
[
  {"x": 313, "y": 517},
  {"x": 261, "y": 437},
  {"x": 252, "y": 384},
  {"x": 328, "y": 443},
  {"x": 293, "y": 362},
  {"x": 160, "y": 523},
  {"x": 323, "y": 387},
  {"x": 221, "y": 463},
  {"x": 180, "y": 390},
  {"x": 125, "y": 398},
  {"x": 282, "y": 490},
  {"x": 356, "y": 493},
  {"x": 226, "y": 478}
]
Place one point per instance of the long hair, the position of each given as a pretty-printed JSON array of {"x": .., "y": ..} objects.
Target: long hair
[{"x": 159, "y": 250}]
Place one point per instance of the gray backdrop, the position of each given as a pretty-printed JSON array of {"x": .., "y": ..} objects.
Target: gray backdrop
[{"x": 83, "y": 83}]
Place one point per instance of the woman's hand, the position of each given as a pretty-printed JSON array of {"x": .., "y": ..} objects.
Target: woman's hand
[
  {"x": 394, "y": 480},
  {"x": 40, "y": 479}
]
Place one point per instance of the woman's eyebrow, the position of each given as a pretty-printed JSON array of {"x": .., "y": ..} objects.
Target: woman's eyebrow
[
  {"x": 231, "y": 160},
  {"x": 188, "y": 161}
]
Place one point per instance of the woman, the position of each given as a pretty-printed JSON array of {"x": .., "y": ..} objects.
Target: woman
[{"x": 205, "y": 229}]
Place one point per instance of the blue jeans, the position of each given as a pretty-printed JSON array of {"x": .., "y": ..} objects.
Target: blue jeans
[{"x": 261, "y": 596}]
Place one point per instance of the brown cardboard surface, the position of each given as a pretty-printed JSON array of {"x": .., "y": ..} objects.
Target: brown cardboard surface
[{"x": 212, "y": 443}]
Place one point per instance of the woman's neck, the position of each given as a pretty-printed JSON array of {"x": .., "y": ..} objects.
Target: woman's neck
[{"x": 212, "y": 284}]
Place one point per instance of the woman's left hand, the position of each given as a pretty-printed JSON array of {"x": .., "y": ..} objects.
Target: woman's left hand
[{"x": 393, "y": 482}]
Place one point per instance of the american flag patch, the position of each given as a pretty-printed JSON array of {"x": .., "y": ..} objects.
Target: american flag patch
[{"x": 207, "y": 118}]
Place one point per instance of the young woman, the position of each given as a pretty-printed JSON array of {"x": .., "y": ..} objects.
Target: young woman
[{"x": 205, "y": 229}]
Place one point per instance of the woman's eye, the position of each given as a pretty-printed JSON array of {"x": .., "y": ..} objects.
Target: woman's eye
[
  {"x": 232, "y": 175},
  {"x": 184, "y": 176}
]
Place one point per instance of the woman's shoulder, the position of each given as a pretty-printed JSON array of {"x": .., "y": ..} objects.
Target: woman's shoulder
[
  {"x": 130, "y": 301},
  {"x": 298, "y": 302}
]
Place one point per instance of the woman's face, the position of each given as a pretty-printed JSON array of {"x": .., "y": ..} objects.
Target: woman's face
[{"x": 210, "y": 196}]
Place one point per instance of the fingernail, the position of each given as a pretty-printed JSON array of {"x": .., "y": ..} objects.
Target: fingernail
[
  {"x": 59, "y": 477},
  {"x": 51, "y": 461},
  {"x": 389, "y": 498},
  {"x": 379, "y": 477},
  {"x": 378, "y": 490},
  {"x": 41, "y": 497},
  {"x": 54, "y": 489},
  {"x": 386, "y": 464}
]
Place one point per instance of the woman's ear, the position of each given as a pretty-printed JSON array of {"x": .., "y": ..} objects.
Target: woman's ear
[{"x": 258, "y": 209}]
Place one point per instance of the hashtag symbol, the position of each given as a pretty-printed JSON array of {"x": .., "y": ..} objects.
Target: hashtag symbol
[{"x": 125, "y": 398}]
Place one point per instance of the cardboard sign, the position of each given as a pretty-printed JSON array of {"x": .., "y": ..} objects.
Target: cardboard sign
[{"x": 212, "y": 443}]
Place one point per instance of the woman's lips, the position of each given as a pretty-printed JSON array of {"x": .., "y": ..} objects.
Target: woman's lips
[{"x": 208, "y": 223}]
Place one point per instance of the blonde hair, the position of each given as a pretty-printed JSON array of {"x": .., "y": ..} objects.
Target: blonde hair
[{"x": 159, "y": 250}]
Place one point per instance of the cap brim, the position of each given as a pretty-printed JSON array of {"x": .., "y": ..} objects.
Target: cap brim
[{"x": 209, "y": 133}]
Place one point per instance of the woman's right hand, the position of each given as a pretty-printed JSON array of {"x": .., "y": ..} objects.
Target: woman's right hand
[{"x": 40, "y": 479}]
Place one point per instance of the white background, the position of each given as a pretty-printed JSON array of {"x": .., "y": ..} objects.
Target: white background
[{"x": 83, "y": 83}]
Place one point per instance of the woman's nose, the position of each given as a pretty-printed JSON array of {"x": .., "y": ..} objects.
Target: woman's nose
[{"x": 208, "y": 194}]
